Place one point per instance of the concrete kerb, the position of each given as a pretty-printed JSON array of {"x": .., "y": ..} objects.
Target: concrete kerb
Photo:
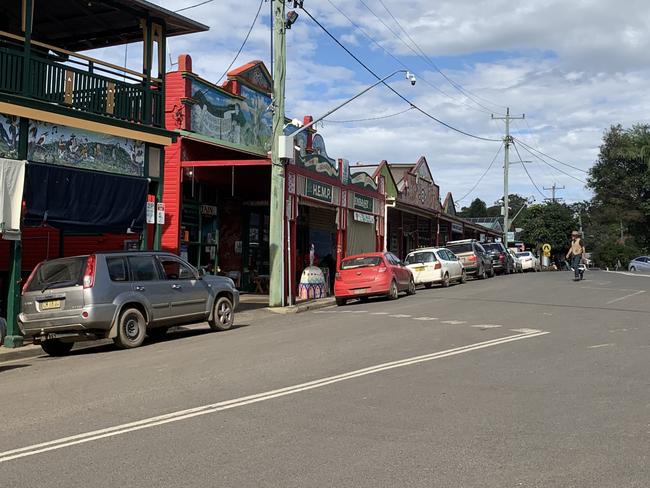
[{"x": 304, "y": 307}]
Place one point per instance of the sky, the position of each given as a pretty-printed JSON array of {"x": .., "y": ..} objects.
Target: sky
[{"x": 573, "y": 68}]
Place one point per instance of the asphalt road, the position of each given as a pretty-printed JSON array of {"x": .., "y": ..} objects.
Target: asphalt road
[{"x": 527, "y": 380}]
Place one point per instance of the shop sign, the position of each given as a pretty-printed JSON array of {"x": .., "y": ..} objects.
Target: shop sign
[
  {"x": 317, "y": 190},
  {"x": 151, "y": 212},
  {"x": 365, "y": 218},
  {"x": 362, "y": 202},
  {"x": 511, "y": 236},
  {"x": 209, "y": 210},
  {"x": 160, "y": 213},
  {"x": 458, "y": 228}
]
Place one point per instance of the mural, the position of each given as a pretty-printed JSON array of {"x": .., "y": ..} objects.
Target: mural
[
  {"x": 246, "y": 122},
  {"x": 316, "y": 160},
  {"x": 8, "y": 136},
  {"x": 78, "y": 148}
]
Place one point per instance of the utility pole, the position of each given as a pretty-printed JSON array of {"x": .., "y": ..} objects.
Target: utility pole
[
  {"x": 553, "y": 189},
  {"x": 507, "y": 140},
  {"x": 276, "y": 217}
]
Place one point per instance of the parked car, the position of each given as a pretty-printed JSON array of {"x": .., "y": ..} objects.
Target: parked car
[
  {"x": 435, "y": 265},
  {"x": 529, "y": 261},
  {"x": 519, "y": 268},
  {"x": 372, "y": 274},
  {"x": 120, "y": 295},
  {"x": 502, "y": 262},
  {"x": 476, "y": 261},
  {"x": 640, "y": 265}
]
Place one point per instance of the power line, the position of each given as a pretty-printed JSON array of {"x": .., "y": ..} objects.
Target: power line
[
  {"x": 552, "y": 158},
  {"x": 193, "y": 6},
  {"x": 401, "y": 63},
  {"x": 482, "y": 176},
  {"x": 549, "y": 164},
  {"x": 250, "y": 29},
  {"x": 460, "y": 131},
  {"x": 421, "y": 54},
  {"x": 370, "y": 118},
  {"x": 526, "y": 170}
]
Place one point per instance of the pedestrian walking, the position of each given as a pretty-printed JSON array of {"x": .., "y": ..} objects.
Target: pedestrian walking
[{"x": 575, "y": 253}]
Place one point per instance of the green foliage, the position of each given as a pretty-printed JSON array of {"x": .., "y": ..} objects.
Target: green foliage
[
  {"x": 610, "y": 253},
  {"x": 550, "y": 223},
  {"x": 477, "y": 208}
]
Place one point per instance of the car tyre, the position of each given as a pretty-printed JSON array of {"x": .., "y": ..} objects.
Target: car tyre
[
  {"x": 131, "y": 329},
  {"x": 223, "y": 315},
  {"x": 411, "y": 289},
  {"x": 632, "y": 269},
  {"x": 481, "y": 274},
  {"x": 340, "y": 302},
  {"x": 445, "y": 281},
  {"x": 393, "y": 292},
  {"x": 428, "y": 285},
  {"x": 56, "y": 347},
  {"x": 463, "y": 277}
]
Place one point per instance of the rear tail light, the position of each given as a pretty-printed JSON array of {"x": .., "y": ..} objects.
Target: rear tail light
[
  {"x": 382, "y": 269},
  {"x": 437, "y": 266},
  {"x": 31, "y": 277},
  {"x": 502, "y": 257},
  {"x": 89, "y": 274},
  {"x": 472, "y": 258}
]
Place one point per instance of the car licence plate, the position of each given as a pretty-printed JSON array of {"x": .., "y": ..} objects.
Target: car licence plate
[
  {"x": 360, "y": 291},
  {"x": 50, "y": 304}
]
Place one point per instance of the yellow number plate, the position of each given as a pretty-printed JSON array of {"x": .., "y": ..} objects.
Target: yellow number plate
[{"x": 51, "y": 305}]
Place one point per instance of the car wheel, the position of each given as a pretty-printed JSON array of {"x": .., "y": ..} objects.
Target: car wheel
[
  {"x": 633, "y": 269},
  {"x": 428, "y": 285},
  {"x": 131, "y": 329},
  {"x": 411, "y": 289},
  {"x": 492, "y": 273},
  {"x": 223, "y": 315},
  {"x": 340, "y": 302},
  {"x": 445, "y": 280},
  {"x": 393, "y": 292},
  {"x": 481, "y": 274},
  {"x": 55, "y": 347},
  {"x": 157, "y": 333},
  {"x": 463, "y": 277}
]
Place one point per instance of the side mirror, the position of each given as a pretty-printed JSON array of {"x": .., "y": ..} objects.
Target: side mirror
[{"x": 201, "y": 272}]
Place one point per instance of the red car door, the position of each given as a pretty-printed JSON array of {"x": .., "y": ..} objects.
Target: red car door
[{"x": 400, "y": 271}]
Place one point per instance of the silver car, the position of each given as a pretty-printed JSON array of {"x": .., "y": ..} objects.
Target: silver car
[
  {"x": 640, "y": 265},
  {"x": 122, "y": 296}
]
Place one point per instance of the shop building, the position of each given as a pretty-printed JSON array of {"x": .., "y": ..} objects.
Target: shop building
[
  {"x": 218, "y": 177},
  {"x": 81, "y": 139}
]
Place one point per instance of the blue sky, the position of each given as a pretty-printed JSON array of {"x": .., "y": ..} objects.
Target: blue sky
[{"x": 573, "y": 69}]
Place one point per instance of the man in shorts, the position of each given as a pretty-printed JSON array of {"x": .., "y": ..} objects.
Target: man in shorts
[{"x": 576, "y": 251}]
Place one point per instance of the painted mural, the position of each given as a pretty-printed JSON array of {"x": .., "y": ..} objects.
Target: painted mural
[
  {"x": 8, "y": 136},
  {"x": 78, "y": 148},
  {"x": 246, "y": 122},
  {"x": 316, "y": 160}
]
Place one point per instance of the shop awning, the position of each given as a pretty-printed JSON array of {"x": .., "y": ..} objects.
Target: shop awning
[
  {"x": 226, "y": 162},
  {"x": 84, "y": 201}
]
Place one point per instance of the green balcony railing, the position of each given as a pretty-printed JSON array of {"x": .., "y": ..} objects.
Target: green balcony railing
[{"x": 81, "y": 83}]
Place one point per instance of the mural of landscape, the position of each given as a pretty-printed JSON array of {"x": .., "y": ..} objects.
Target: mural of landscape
[
  {"x": 67, "y": 146},
  {"x": 8, "y": 136},
  {"x": 245, "y": 122}
]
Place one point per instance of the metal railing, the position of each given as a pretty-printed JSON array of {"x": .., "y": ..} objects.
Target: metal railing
[{"x": 79, "y": 82}]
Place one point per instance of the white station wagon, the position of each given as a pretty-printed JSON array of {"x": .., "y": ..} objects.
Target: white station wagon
[{"x": 435, "y": 265}]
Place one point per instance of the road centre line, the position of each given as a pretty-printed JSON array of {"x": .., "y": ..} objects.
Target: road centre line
[
  {"x": 626, "y": 296},
  {"x": 251, "y": 399}
]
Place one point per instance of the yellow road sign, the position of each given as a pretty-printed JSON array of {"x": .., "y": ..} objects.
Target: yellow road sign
[{"x": 546, "y": 248}]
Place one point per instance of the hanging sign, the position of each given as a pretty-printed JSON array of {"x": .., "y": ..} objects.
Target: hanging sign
[
  {"x": 457, "y": 228},
  {"x": 317, "y": 190},
  {"x": 209, "y": 210},
  {"x": 160, "y": 213},
  {"x": 365, "y": 218},
  {"x": 362, "y": 202},
  {"x": 151, "y": 212}
]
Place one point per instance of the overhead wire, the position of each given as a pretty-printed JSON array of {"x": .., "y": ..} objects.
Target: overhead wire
[
  {"x": 552, "y": 166},
  {"x": 370, "y": 118},
  {"x": 552, "y": 158},
  {"x": 405, "y": 99},
  {"x": 193, "y": 6},
  {"x": 482, "y": 176},
  {"x": 521, "y": 160}
]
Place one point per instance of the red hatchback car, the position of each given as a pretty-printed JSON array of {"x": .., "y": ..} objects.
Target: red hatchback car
[{"x": 372, "y": 274}]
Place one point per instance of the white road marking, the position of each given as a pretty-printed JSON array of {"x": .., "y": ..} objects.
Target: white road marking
[
  {"x": 400, "y": 316},
  {"x": 453, "y": 322},
  {"x": 626, "y": 296},
  {"x": 628, "y": 273},
  {"x": 608, "y": 289},
  {"x": 248, "y": 400},
  {"x": 425, "y": 318},
  {"x": 600, "y": 345},
  {"x": 379, "y": 313},
  {"x": 525, "y": 330},
  {"x": 487, "y": 326}
]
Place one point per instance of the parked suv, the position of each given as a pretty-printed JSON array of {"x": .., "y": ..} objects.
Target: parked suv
[
  {"x": 120, "y": 295},
  {"x": 502, "y": 261},
  {"x": 475, "y": 259}
]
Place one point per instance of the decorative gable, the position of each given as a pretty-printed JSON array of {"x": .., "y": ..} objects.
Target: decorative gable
[
  {"x": 254, "y": 74},
  {"x": 449, "y": 207},
  {"x": 422, "y": 170}
]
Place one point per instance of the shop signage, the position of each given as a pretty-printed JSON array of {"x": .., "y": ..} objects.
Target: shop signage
[
  {"x": 458, "y": 228},
  {"x": 209, "y": 210},
  {"x": 160, "y": 213},
  {"x": 362, "y": 202},
  {"x": 511, "y": 236},
  {"x": 151, "y": 212},
  {"x": 317, "y": 190},
  {"x": 365, "y": 218}
]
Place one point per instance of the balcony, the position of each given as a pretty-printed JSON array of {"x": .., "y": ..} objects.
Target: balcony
[{"x": 78, "y": 82}]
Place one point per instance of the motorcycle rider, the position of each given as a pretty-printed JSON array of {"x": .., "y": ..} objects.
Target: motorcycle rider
[{"x": 576, "y": 251}]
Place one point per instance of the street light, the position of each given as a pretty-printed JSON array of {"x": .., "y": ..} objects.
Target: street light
[{"x": 286, "y": 143}]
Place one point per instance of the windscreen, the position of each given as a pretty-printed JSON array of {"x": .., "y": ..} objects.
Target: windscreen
[
  {"x": 460, "y": 248},
  {"x": 523, "y": 254},
  {"x": 58, "y": 273},
  {"x": 361, "y": 262},
  {"x": 420, "y": 257},
  {"x": 492, "y": 247}
]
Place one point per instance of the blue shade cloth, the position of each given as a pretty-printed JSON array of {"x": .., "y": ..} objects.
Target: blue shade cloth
[{"x": 84, "y": 201}]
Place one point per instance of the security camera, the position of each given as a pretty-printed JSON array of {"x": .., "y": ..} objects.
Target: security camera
[{"x": 411, "y": 77}]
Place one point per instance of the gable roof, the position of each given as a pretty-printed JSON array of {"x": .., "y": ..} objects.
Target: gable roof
[
  {"x": 449, "y": 206},
  {"x": 255, "y": 74}
]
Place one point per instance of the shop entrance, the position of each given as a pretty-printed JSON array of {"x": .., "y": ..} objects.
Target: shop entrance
[{"x": 316, "y": 225}]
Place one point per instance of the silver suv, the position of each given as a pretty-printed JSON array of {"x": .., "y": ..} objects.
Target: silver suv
[{"x": 120, "y": 295}]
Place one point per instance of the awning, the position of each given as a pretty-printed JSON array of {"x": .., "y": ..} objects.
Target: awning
[
  {"x": 84, "y": 201},
  {"x": 12, "y": 178},
  {"x": 226, "y": 162}
]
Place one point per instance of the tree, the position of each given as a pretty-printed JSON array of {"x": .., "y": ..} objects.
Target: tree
[
  {"x": 548, "y": 223},
  {"x": 477, "y": 208}
]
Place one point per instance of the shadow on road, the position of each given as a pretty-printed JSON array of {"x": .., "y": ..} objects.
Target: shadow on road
[{"x": 13, "y": 366}]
